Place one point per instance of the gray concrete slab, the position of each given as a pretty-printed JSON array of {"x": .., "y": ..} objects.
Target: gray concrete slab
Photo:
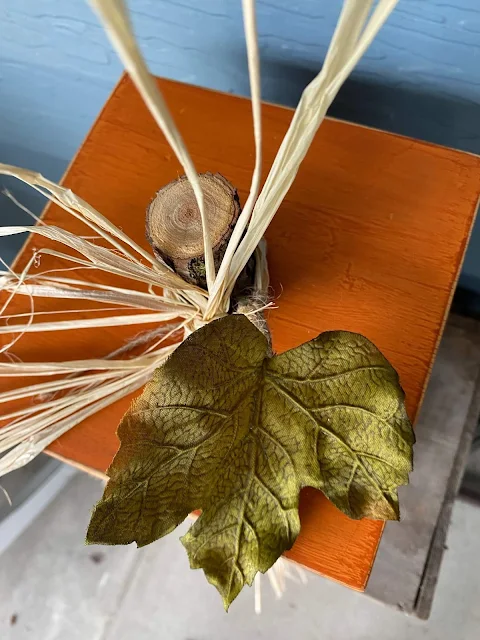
[
  {"x": 410, "y": 552},
  {"x": 52, "y": 587}
]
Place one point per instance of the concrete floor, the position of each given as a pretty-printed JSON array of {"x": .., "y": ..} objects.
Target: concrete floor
[{"x": 53, "y": 587}]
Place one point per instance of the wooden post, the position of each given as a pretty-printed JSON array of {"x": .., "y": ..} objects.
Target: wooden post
[
  {"x": 174, "y": 229},
  {"x": 174, "y": 226}
]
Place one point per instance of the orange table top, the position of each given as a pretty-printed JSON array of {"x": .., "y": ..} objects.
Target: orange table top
[{"x": 370, "y": 238}]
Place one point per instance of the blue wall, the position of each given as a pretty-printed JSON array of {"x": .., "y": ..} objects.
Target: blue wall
[{"x": 420, "y": 78}]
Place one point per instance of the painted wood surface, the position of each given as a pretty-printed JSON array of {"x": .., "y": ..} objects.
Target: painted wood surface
[
  {"x": 421, "y": 76},
  {"x": 370, "y": 239}
]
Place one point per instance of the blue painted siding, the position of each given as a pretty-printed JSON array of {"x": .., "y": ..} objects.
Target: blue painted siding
[{"x": 421, "y": 77}]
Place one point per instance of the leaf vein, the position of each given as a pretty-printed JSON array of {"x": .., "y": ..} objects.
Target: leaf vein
[
  {"x": 281, "y": 508},
  {"x": 324, "y": 428},
  {"x": 327, "y": 378},
  {"x": 212, "y": 537},
  {"x": 363, "y": 410}
]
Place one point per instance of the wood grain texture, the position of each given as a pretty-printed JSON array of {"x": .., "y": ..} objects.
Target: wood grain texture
[{"x": 370, "y": 239}]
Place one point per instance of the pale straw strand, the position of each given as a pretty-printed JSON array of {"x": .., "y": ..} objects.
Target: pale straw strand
[{"x": 114, "y": 15}]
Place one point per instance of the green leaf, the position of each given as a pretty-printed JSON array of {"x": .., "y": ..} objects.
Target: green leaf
[{"x": 225, "y": 428}]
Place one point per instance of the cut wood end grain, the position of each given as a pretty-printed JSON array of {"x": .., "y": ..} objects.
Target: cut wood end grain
[{"x": 174, "y": 225}]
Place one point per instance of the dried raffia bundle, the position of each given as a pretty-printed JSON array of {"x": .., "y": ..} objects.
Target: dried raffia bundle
[{"x": 223, "y": 424}]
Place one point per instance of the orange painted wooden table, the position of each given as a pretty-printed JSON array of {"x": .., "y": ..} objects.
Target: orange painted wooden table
[{"x": 370, "y": 238}]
